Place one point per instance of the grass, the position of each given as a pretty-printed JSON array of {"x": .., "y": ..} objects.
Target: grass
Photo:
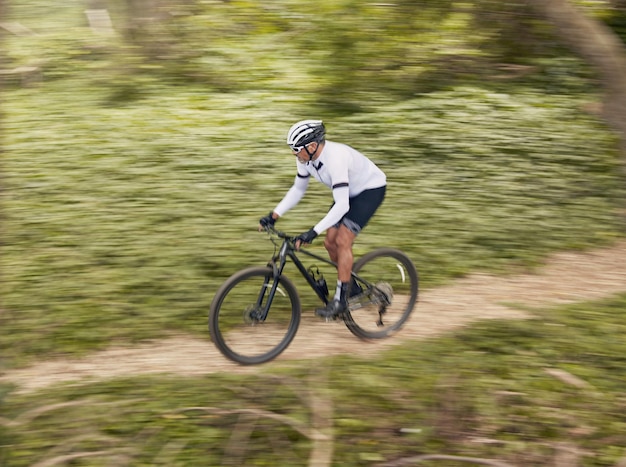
[
  {"x": 524, "y": 392},
  {"x": 130, "y": 197},
  {"x": 121, "y": 221}
]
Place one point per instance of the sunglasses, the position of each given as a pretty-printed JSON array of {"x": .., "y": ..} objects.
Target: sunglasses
[{"x": 297, "y": 149}]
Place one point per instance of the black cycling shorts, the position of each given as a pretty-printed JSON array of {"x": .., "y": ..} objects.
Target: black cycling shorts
[{"x": 362, "y": 208}]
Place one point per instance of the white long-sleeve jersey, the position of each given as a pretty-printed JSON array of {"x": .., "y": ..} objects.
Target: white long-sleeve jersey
[{"x": 341, "y": 168}]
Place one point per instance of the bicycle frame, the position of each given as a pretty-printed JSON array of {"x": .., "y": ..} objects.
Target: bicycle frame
[{"x": 288, "y": 250}]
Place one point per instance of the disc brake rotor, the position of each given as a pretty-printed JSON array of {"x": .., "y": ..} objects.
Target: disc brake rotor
[{"x": 251, "y": 315}]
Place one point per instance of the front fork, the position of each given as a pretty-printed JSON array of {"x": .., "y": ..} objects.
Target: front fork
[{"x": 277, "y": 264}]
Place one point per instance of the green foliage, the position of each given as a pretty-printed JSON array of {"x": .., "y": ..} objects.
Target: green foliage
[
  {"x": 390, "y": 50},
  {"x": 517, "y": 391},
  {"x": 616, "y": 20}
]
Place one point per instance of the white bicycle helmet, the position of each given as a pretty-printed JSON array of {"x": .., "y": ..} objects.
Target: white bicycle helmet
[{"x": 305, "y": 132}]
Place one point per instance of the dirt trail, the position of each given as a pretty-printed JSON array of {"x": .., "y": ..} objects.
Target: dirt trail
[{"x": 566, "y": 278}]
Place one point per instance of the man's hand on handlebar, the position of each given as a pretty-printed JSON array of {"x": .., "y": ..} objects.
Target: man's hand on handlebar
[
  {"x": 305, "y": 238},
  {"x": 267, "y": 222}
]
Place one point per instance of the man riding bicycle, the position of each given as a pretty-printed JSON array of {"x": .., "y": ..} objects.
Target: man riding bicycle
[{"x": 358, "y": 187}]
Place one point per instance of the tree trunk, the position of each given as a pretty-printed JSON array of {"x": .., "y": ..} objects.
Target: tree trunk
[{"x": 600, "y": 47}]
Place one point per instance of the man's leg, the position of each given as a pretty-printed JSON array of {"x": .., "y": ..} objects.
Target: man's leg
[
  {"x": 330, "y": 243},
  {"x": 345, "y": 259},
  {"x": 338, "y": 243}
]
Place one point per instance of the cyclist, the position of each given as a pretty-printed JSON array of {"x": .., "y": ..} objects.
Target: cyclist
[{"x": 358, "y": 187}]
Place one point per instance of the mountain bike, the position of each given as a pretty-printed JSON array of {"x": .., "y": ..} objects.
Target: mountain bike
[{"x": 256, "y": 312}]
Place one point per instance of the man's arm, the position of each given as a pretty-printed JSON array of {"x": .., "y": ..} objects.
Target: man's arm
[
  {"x": 341, "y": 196},
  {"x": 294, "y": 195}
]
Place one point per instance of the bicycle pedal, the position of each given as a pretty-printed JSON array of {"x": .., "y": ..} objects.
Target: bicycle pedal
[{"x": 328, "y": 318}]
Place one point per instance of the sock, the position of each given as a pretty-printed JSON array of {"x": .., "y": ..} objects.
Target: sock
[
  {"x": 338, "y": 290},
  {"x": 341, "y": 293}
]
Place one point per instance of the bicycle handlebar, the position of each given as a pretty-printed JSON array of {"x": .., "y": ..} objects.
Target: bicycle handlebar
[
  {"x": 271, "y": 230},
  {"x": 289, "y": 239}
]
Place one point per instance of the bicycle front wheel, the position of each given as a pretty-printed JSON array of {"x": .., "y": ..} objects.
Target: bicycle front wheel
[
  {"x": 382, "y": 309},
  {"x": 237, "y": 323}
]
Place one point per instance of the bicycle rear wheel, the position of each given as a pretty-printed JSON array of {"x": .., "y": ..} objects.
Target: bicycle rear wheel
[
  {"x": 236, "y": 321},
  {"x": 382, "y": 309}
]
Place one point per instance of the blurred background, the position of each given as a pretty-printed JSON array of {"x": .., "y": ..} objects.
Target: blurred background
[{"x": 143, "y": 139}]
